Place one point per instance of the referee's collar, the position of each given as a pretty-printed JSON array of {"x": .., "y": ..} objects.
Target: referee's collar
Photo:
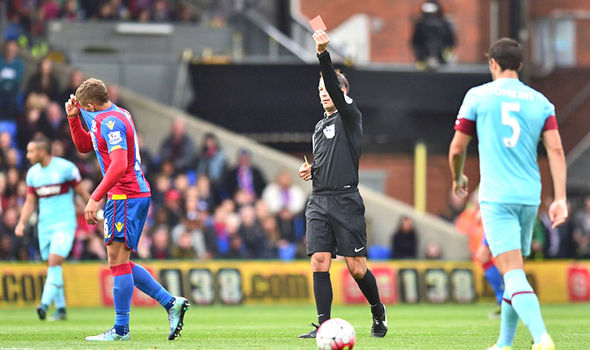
[{"x": 326, "y": 115}]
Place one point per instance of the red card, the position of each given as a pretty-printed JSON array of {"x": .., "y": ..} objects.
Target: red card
[{"x": 317, "y": 24}]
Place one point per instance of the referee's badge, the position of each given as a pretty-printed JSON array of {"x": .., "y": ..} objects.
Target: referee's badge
[{"x": 330, "y": 131}]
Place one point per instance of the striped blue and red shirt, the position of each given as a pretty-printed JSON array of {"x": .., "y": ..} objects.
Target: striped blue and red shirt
[{"x": 110, "y": 130}]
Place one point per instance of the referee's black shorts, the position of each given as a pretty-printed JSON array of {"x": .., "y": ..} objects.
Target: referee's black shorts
[{"x": 335, "y": 223}]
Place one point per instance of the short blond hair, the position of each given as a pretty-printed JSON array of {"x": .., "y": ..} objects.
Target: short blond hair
[{"x": 92, "y": 91}]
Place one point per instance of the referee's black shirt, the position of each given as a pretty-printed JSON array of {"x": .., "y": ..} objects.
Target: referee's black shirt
[{"x": 337, "y": 138}]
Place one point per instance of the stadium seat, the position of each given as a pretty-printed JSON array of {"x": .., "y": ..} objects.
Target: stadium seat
[
  {"x": 287, "y": 253},
  {"x": 378, "y": 252}
]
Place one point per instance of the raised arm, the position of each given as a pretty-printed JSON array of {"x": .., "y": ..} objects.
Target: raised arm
[
  {"x": 81, "y": 137},
  {"x": 328, "y": 73}
]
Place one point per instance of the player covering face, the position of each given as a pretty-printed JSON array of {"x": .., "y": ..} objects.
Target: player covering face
[
  {"x": 112, "y": 136},
  {"x": 509, "y": 118}
]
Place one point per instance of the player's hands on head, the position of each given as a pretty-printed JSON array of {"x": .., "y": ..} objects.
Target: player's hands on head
[
  {"x": 305, "y": 171},
  {"x": 558, "y": 212},
  {"x": 460, "y": 186},
  {"x": 90, "y": 212},
  {"x": 321, "y": 41},
  {"x": 19, "y": 230},
  {"x": 71, "y": 106}
]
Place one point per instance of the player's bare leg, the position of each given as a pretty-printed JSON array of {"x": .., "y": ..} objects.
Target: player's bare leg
[
  {"x": 522, "y": 300},
  {"x": 357, "y": 266},
  {"x": 322, "y": 289},
  {"x": 53, "y": 289}
]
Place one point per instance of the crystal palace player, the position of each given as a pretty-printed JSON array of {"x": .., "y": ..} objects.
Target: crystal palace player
[
  {"x": 509, "y": 119},
  {"x": 335, "y": 213},
  {"x": 113, "y": 138},
  {"x": 51, "y": 182}
]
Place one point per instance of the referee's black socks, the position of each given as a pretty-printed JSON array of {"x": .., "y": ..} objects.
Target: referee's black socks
[
  {"x": 322, "y": 290},
  {"x": 368, "y": 286}
]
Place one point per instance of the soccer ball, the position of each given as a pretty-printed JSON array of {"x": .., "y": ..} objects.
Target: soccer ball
[{"x": 335, "y": 334}]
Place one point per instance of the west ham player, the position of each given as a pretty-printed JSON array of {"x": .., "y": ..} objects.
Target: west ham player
[
  {"x": 510, "y": 118},
  {"x": 112, "y": 136},
  {"x": 51, "y": 181},
  {"x": 335, "y": 213}
]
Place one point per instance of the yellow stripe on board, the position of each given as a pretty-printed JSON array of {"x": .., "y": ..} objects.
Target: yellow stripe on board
[{"x": 420, "y": 177}]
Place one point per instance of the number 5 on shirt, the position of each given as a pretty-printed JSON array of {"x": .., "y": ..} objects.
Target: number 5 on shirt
[{"x": 512, "y": 122}]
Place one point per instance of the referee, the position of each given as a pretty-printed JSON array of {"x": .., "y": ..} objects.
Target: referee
[{"x": 335, "y": 214}]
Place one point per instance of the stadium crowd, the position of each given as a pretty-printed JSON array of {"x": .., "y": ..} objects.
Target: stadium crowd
[{"x": 30, "y": 17}]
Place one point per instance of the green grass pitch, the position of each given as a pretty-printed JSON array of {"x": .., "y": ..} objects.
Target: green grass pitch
[{"x": 276, "y": 327}]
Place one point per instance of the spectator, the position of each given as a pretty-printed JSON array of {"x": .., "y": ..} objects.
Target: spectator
[
  {"x": 286, "y": 201},
  {"x": 33, "y": 124},
  {"x": 433, "y": 37},
  {"x": 173, "y": 207},
  {"x": 212, "y": 160},
  {"x": 205, "y": 192},
  {"x": 71, "y": 12},
  {"x": 244, "y": 176},
  {"x": 11, "y": 75},
  {"x": 161, "y": 11},
  {"x": 252, "y": 234},
  {"x": 75, "y": 79},
  {"x": 43, "y": 84},
  {"x": 7, "y": 247},
  {"x": 582, "y": 231},
  {"x": 6, "y": 143},
  {"x": 183, "y": 248},
  {"x": 107, "y": 11},
  {"x": 203, "y": 239},
  {"x": 432, "y": 251},
  {"x": 160, "y": 248},
  {"x": 115, "y": 97},
  {"x": 404, "y": 242},
  {"x": 236, "y": 246},
  {"x": 120, "y": 10},
  {"x": 147, "y": 159},
  {"x": 179, "y": 148},
  {"x": 57, "y": 126},
  {"x": 186, "y": 12},
  {"x": 94, "y": 248}
]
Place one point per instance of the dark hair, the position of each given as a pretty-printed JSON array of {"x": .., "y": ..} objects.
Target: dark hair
[
  {"x": 507, "y": 52},
  {"x": 342, "y": 81},
  {"x": 42, "y": 142}
]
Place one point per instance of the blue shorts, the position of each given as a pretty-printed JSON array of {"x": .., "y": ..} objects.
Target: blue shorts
[
  {"x": 58, "y": 240},
  {"x": 124, "y": 220},
  {"x": 508, "y": 226}
]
